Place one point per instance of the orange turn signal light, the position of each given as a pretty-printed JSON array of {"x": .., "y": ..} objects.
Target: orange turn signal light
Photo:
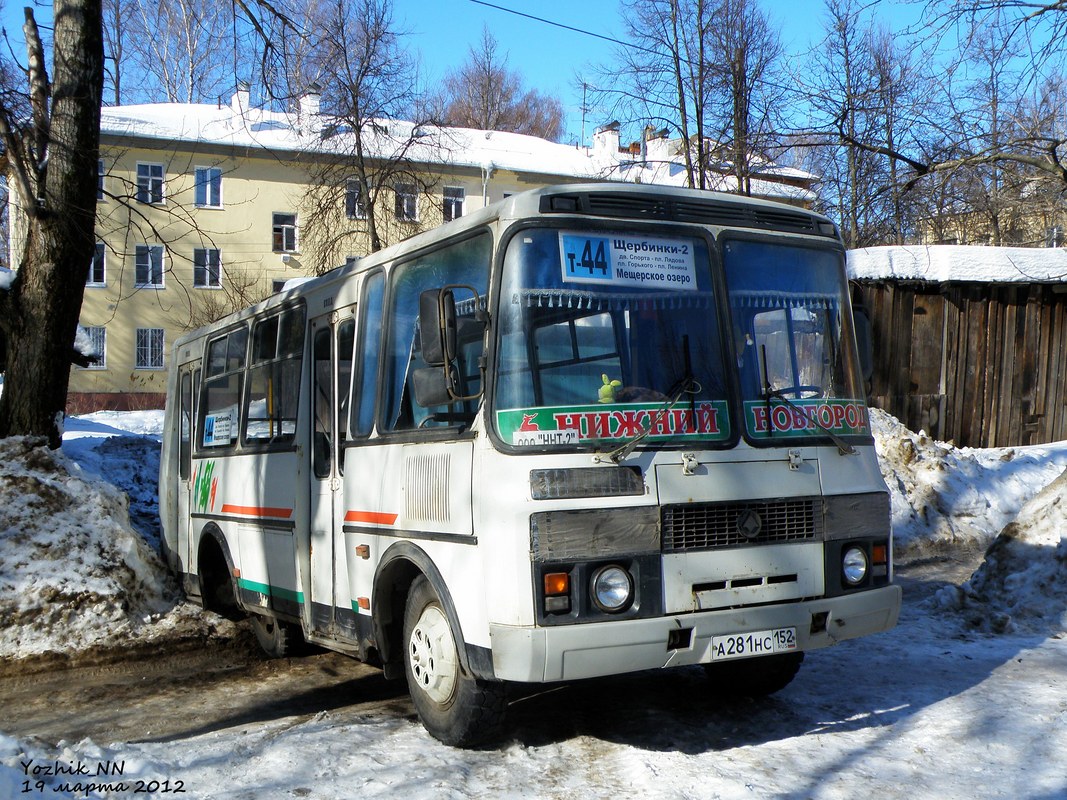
[
  {"x": 557, "y": 583},
  {"x": 880, "y": 554}
]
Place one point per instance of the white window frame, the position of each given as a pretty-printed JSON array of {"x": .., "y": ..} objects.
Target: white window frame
[
  {"x": 98, "y": 338},
  {"x": 99, "y": 256},
  {"x": 207, "y": 266},
  {"x": 144, "y": 345},
  {"x": 407, "y": 202},
  {"x": 451, "y": 204},
  {"x": 147, "y": 250},
  {"x": 149, "y": 183},
  {"x": 100, "y": 179},
  {"x": 282, "y": 228},
  {"x": 210, "y": 180}
]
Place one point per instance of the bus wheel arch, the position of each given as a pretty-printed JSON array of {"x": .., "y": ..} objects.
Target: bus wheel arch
[
  {"x": 400, "y": 567},
  {"x": 454, "y": 706},
  {"x": 214, "y": 567}
]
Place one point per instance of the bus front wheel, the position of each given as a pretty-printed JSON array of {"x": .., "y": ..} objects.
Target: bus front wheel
[
  {"x": 754, "y": 677},
  {"x": 454, "y": 707}
]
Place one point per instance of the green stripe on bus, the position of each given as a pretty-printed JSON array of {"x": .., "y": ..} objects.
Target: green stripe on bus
[{"x": 271, "y": 591}]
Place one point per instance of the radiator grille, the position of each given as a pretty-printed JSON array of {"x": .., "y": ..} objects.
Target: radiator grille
[{"x": 708, "y": 526}]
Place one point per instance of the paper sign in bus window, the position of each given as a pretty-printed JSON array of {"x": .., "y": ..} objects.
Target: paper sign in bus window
[{"x": 616, "y": 260}]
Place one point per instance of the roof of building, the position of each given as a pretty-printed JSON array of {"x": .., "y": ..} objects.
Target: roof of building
[
  {"x": 238, "y": 125},
  {"x": 960, "y": 263}
]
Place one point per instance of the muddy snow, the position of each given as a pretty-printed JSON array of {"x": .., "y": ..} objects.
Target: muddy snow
[{"x": 967, "y": 697}]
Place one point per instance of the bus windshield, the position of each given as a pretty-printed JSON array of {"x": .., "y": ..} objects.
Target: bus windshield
[
  {"x": 608, "y": 336},
  {"x": 789, "y": 309}
]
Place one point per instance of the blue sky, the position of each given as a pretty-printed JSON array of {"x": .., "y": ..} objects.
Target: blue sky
[{"x": 548, "y": 57}]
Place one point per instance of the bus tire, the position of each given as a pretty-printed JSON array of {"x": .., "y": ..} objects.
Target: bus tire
[
  {"x": 278, "y": 639},
  {"x": 454, "y": 706},
  {"x": 754, "y": 677}
]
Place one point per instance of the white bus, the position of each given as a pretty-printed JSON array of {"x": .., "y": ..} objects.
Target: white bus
[{"x": 591, "y": 429}]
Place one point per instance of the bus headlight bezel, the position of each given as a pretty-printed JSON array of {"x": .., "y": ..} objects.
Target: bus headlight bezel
[
  {"x": 855, "y": 566},
  {"x": 611, "y": 588}
]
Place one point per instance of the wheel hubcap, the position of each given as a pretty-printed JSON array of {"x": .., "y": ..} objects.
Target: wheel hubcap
[{"x": 432, "y": 653}]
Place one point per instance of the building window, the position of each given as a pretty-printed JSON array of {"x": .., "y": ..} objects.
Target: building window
[
  {"x": 277, "y": 286},
  {"x": 453, "y": 203},
  {"x": 98, "y": 341},
  {"x": 100, "y": 179},
  {"x": 1054, "y": 236},
  {"x": 208, "y": 189},
  {"x": 149, "y": 348},
  {"x": 149, "y": 265},
  {"x": 150, "y": 183},
  {"x": 207, "y": 268},
  {"x": 407, "y": 207},
  {"x": 97, "y": 272},
  {"x": 355, "y": 203},
  {"x": 284, "y": 233}
]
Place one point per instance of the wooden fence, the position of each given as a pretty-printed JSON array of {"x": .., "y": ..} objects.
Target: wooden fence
[{"x": 979, "y": 364}]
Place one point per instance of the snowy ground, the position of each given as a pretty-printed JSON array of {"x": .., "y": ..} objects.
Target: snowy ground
[{"x": 966, "y": 698}]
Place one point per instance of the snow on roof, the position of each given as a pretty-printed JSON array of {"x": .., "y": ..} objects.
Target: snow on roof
[
  {"x": 973, "y": 263},
  {"x": 234, "y": 125},
  {"x": 274, "y": 131}
]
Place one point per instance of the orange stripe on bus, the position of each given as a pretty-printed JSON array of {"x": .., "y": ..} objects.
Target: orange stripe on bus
[
  {"x": 375, "y": 517},
  {"x": 258, "y": 511}
]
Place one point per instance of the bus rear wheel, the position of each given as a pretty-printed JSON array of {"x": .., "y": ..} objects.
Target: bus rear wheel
[
  {"x": 278, "y": 639},
  {"x": 753, "y": 677},
  {"x": 454, "y": 706}
]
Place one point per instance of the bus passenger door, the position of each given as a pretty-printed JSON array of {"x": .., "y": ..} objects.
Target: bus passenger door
[
  {"x": 188, "y": 391},
  {"x": 332, "y": 340}
]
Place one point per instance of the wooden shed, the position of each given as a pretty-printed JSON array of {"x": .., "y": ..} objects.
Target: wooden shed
[{"x": 970, "y": 343}]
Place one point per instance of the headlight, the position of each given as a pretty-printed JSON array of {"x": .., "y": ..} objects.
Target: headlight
[
  {"x": 613, "y": 589},
  {"x": 854, "y": 566}
]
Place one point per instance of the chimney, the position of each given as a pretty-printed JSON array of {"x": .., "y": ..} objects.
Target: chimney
[
  {"x": 240, "y": 101},
  {"x": 307, "y": 108},
  {"x": 606, "y": 140}
]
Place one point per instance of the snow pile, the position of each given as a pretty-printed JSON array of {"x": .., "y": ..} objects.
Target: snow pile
[
  {"x": 1023, "y": 580},
  {"x": 944, "y": 496},
  {"x": 73, "y": 572}
]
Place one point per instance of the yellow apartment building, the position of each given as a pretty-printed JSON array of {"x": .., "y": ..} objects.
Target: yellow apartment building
[{"x": 203, "y": 209}]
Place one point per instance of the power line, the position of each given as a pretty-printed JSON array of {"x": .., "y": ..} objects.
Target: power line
[{"x": 581, "y": 31}]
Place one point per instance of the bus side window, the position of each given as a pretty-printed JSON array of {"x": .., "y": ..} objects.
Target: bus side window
[
  {"x": 274, "y": 378},
  {"x": 464, "y": 263},
  {"x": 185, "y": 432},
  {"x": 370, "y": 340},
  {"x": 346, "y": 339},
  {"x": 322, "y": 438},
  {"x": 222, "y": 389}
]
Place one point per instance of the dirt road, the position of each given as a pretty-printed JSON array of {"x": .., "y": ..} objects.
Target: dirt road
[{"x": 197, "y": 688}]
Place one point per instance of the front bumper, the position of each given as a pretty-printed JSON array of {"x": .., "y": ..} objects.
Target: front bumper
[{"x": 538, "y": 655}]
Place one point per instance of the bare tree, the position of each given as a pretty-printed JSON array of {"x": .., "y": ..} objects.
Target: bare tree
[
  {"x": 366, "y": 181},
  {"x": 660, "y": 79},
  {"x": 117, "y": 23},
  {"x": 51, "y": 158},
  {"x": 743, "y": 60},
  {"x": 483, "y": 93},
  {"x": 705, "y": 69},
  {"x": 180, "y": 50}
]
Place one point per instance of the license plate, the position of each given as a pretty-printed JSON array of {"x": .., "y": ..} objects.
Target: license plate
[{"x": 754, "y": 643}]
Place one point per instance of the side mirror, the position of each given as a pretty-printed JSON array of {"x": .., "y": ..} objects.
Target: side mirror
[{"x": 437, "y": 326}]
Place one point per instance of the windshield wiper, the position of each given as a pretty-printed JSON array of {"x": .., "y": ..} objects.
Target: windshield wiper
[
  {"x": 843, "y": 447},
  {"x": 687, "y": 385}
]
